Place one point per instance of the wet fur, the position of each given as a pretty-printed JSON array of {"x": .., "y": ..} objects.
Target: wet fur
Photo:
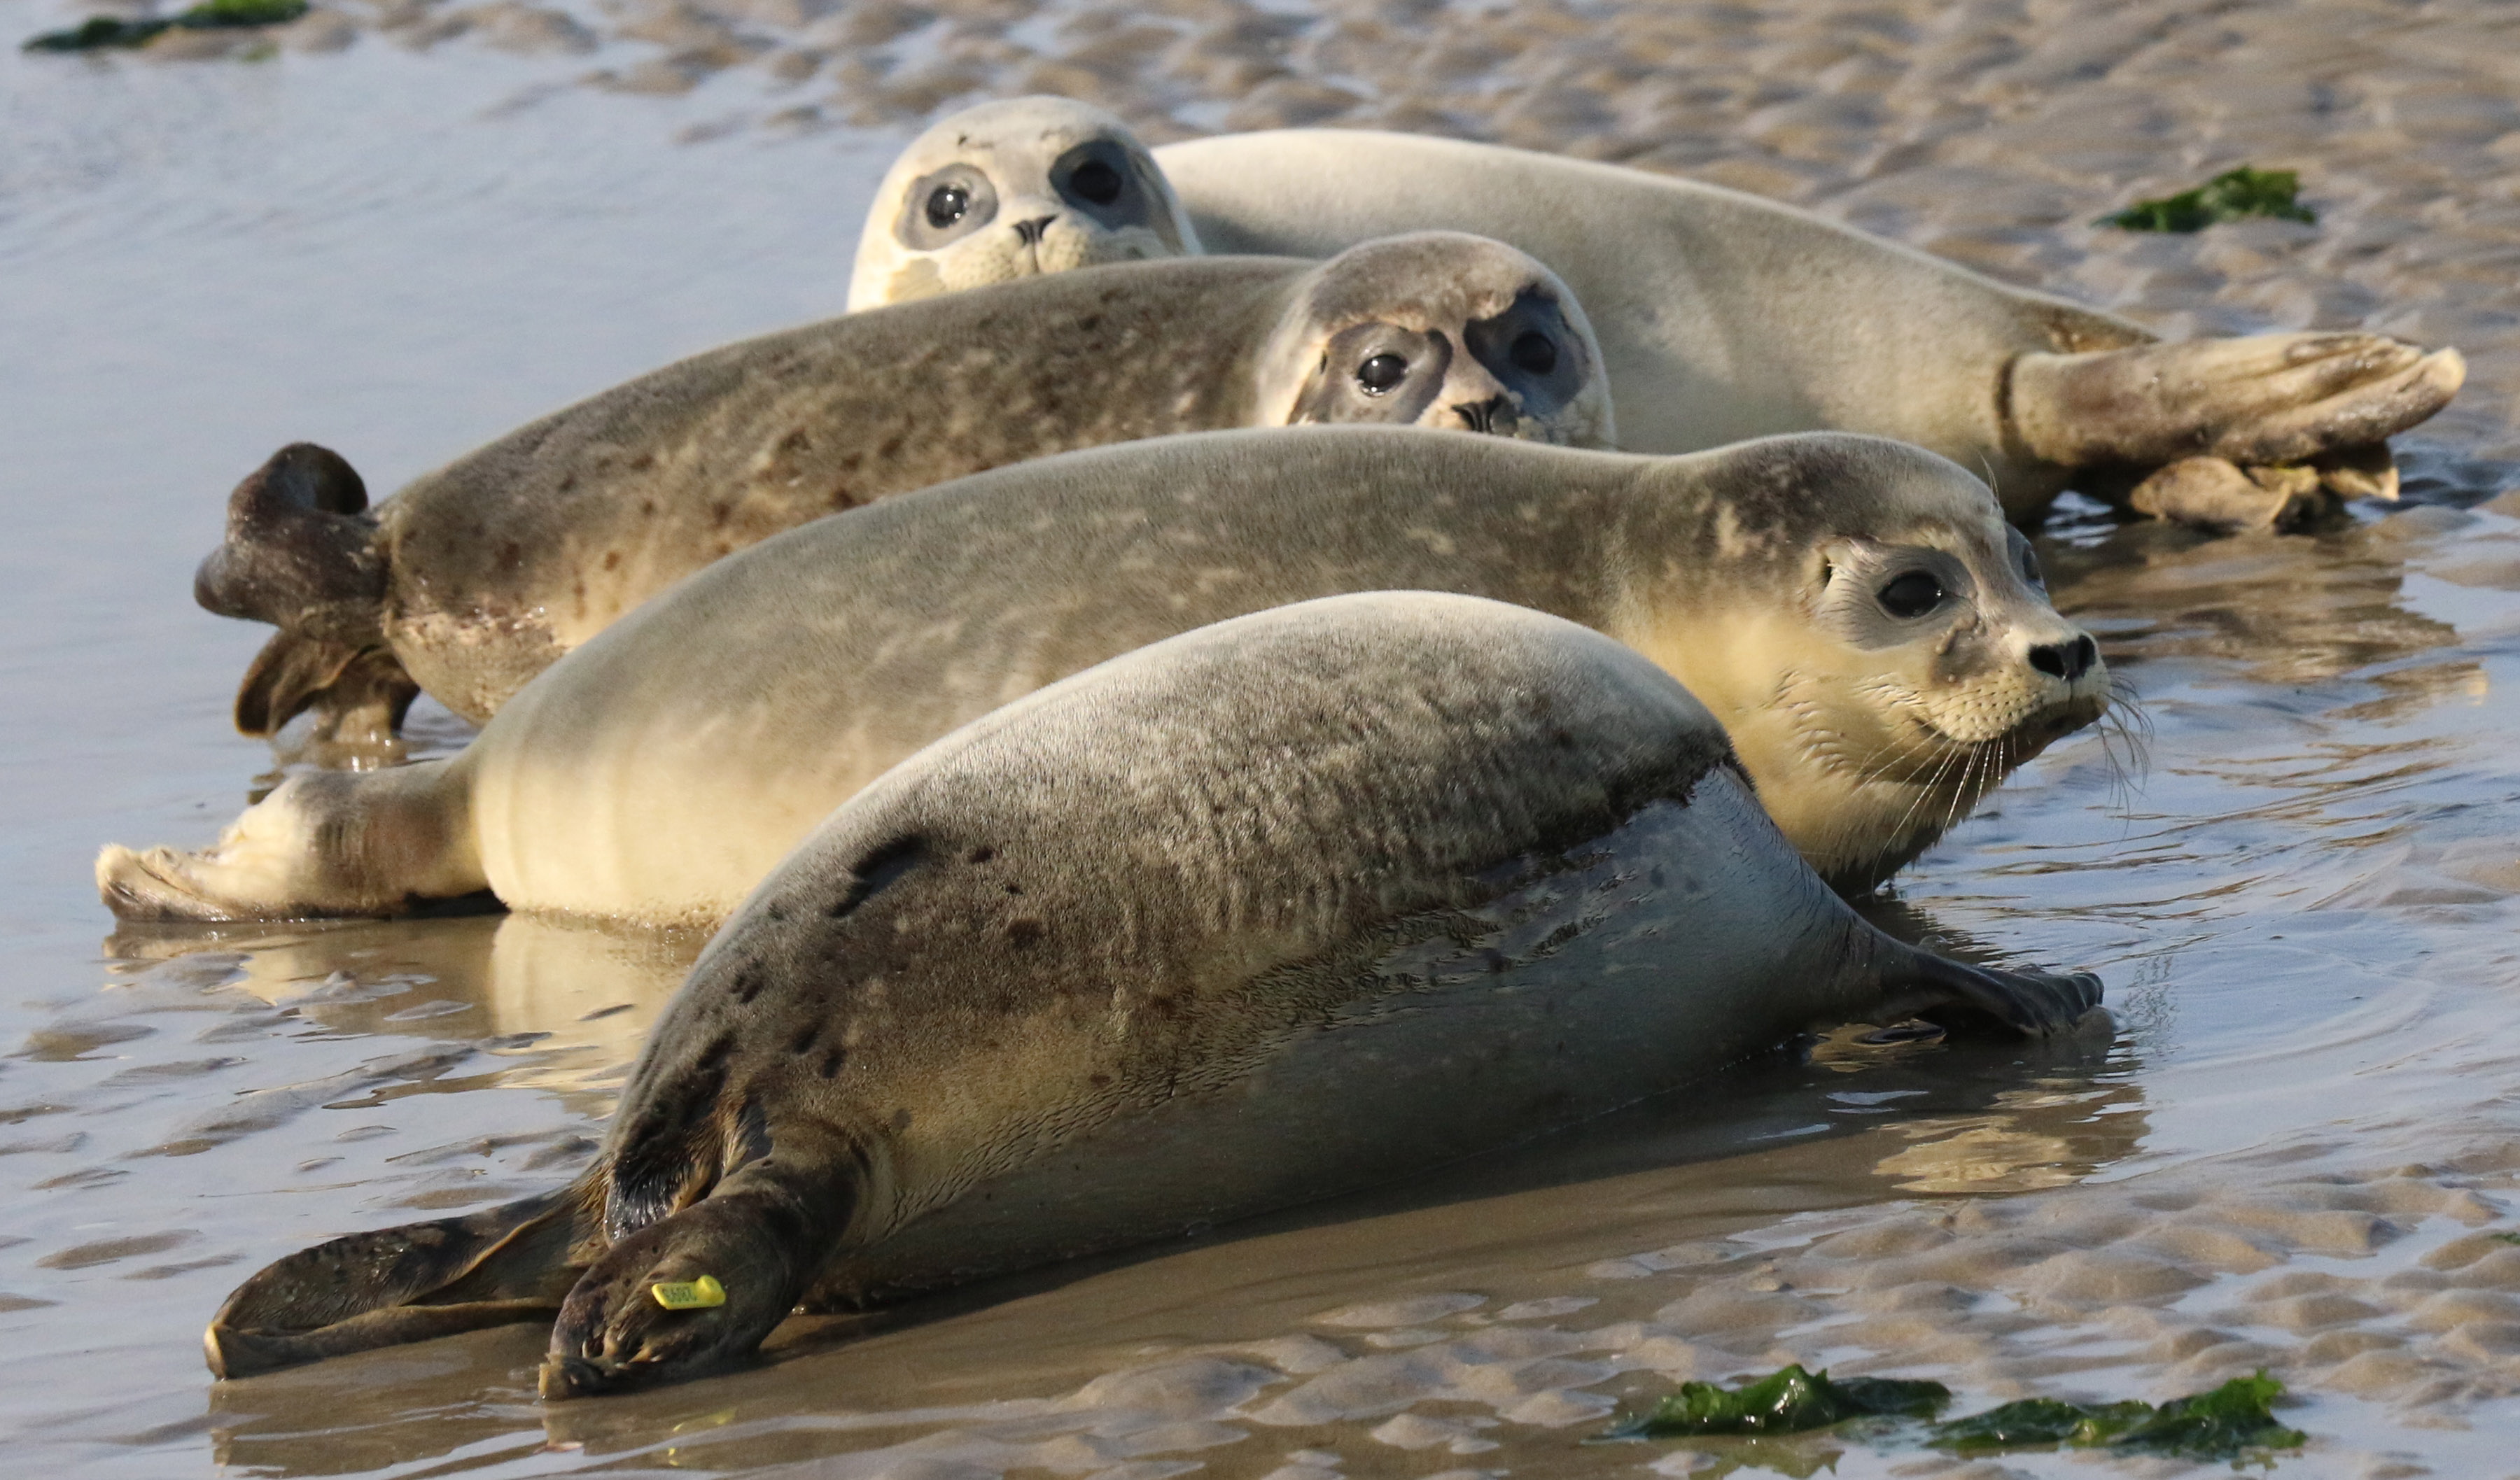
[
  {"x": 665, "y": 767},
  {"x": 483, "y": 573},
  {"x": 1724, "y": 316},
  {"x": 1131, "y": 904}
]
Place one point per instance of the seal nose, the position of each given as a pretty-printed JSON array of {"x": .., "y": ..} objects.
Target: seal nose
[
  {"x": 1493, "y": 415},
  {"x": 1030, "y": 231},
  {"x": 2066, "y": 660}
]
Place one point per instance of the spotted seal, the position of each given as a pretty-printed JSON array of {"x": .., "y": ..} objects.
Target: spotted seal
[
  {"x": 1005, "y": 190},
  {"x": 477, "y": 576},
  {"x": 1855, "y": 611},
  {"x": 1270, "y": 910},
  {"x": 1727, "y": 316}
]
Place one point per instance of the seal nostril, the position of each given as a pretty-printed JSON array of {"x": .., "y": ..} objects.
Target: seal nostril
[
  {"x": 1030, "y": 231},
  {"x": 1495, "y": 414},
  {"x": 2065, "y": 661}
]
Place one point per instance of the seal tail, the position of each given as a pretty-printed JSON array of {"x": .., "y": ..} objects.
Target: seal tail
[
  {"x": 324, "y": 844},
  {"x": 299, "y": 554},
  {"x": 496, "y": 1267},
  {"x": 363, "y": 692}
]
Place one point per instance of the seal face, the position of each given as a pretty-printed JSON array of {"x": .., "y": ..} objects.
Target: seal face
[
  {"x": 476, "y": 577},
  {"x": 1855, "y": 612},
  {"x": 1009, "y": 190},
  {"x": 1272, "y": 910}
]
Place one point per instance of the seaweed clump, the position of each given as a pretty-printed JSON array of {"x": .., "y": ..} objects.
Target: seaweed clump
[
  {"x": 2220, "y": 1425},
  {"x": 2213, "y": 1426},
  {"x": 1787, "y": 1402},
  {"x": 106, "y": 32},
  {"x": 2228, "y": 197}
]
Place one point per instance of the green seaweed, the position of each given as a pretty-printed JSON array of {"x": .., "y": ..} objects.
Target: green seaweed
[
  {"x": 104, "y": 32},
  {"x": 2213, "y": 1426},
  {"x": 2233, "y": 193},
  {"x": 2504, "y": 1238},
  {"x": 2041, "y": 1420},
  {"x": 1783, "y": 1403}
]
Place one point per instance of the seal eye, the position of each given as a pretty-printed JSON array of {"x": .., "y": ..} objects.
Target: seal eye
[
  {"x": 1381, "y": 373},
  {"x": 946, "y": 204},
  {"x": 1911, "y": 594},
  {"x": 1097, "y": 182},
  {"x": 1533, "y": 353},
  {"x": 2030, "y": 569}
]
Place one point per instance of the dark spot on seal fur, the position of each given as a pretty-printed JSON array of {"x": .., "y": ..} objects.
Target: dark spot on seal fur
[
  {"x": 613, "y": 559},
  {"x": 871, "y": 874},
  {"x": 748, "y": 982},
  {"x": 1025, "y": 932},
  {"x": 982, "y": 854},
  {"x": 901, "y": 1119},
  {"x": 804, "y": 1037},
  {"x": 833, "y": 1058}
]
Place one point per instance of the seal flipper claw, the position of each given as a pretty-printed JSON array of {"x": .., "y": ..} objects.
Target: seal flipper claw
[{"x": 350, "y": 1294}]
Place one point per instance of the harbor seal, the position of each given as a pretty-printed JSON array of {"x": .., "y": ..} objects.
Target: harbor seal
[
  {"x": 1724, "y": 316},
  {"x": 1006, "y": 190},
  {"x": 477, "y": 576},
  {"x": 1855, "y": 611},
  {"x": 1274, "y": 909}
]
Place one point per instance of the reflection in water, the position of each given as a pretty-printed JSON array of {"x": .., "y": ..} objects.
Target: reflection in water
[
  {"x": 1672, "y": 1177},
  {"x": 581, "y": 993},
  {"x": 2297, "y": 1158}
]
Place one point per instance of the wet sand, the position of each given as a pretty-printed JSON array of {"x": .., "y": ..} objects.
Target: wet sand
[{"x": 2294, "y": 1155}]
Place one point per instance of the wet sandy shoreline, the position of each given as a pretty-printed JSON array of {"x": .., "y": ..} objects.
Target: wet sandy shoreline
[{"x": 2294, "y": 1156}]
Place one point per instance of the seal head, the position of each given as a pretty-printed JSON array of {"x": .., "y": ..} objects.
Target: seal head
[
  {"x": 1442, "y": 329},
  {"x": 1009, "y": 190},
  {"x": 1888, "y": 653}
]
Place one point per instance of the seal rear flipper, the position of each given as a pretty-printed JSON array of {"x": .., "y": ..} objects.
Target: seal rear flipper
[
  {"x": 325, "y": 845},
  {"x": 2268, "y": 398},
  {"x": 360, "y": 693},
  {"x": 382, "y": 1288},
  {"x": 300, "y": 550}
]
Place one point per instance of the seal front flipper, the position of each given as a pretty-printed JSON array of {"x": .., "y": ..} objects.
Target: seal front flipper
[
  {"x": 644, "y": 1313},
  {"x": 2034, "y": 1004},
  {"x": 2266, "y": 399},
  {"x": 366, "y": 1290},
  {"x": 362, "y": 693}
]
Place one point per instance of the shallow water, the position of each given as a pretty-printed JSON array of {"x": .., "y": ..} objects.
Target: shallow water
[{"x": 2304, "y": 905}]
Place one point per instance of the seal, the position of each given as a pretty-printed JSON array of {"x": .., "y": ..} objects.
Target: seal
[
  {"x": 477, "y": 576},
  {"x": 1276, "y": 909},
  {"x": 1856, "y": 612},
  {"x": 1006, "y": 190},
  {"x": 1724, "y": 316}
]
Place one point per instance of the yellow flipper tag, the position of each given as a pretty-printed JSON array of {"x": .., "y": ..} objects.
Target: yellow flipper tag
[{"x": 689, "y": 1294}]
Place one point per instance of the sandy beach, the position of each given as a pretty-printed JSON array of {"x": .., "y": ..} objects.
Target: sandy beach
[{"x": 401, "y": 229}]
